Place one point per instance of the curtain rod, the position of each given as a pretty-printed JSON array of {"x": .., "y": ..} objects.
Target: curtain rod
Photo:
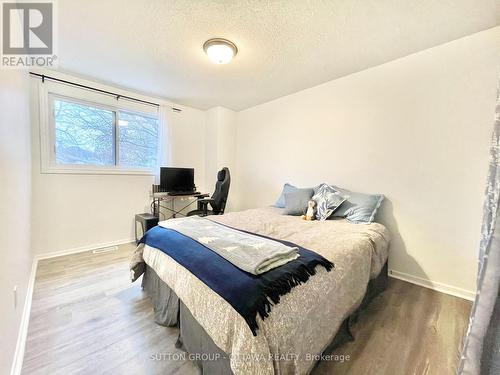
[{"x": 118, "y": 96}]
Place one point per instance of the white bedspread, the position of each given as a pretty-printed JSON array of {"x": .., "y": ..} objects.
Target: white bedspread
[{"x": 306, "y": 319}]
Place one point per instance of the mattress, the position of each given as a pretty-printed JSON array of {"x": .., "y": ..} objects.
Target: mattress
[{"x": 305, "y": 321}]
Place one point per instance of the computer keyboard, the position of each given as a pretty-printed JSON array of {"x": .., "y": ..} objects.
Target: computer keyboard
[{"x": 183, "y": 192}]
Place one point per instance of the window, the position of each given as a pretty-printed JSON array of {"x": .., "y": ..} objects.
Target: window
[
  {"x": 84, "y": 134},
  {"x": 138, "y": 140},
  {"x": 95, "y": 133}
]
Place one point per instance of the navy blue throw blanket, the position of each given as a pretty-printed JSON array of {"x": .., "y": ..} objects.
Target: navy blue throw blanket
[{"x": 248, "y": 294}]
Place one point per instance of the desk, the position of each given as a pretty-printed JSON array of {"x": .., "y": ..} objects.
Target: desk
[{"x": 169, "y": 204}]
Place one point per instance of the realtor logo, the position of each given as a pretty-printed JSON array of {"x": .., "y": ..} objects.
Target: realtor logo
[{"x": 28, "y": 34}]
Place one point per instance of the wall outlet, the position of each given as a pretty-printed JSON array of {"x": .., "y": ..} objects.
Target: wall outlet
[{"x": 15, "y": 296}]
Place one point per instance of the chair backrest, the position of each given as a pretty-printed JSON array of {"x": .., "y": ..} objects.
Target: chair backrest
[{"x": 221, "y": 191}]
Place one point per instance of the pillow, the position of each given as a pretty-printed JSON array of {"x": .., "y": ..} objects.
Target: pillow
[
  {"x": 287, "y": 188},
  {"x": 328, "y": 200},
  {"x": 359, "y": 207},
  {"x": 297, "y": 200}
]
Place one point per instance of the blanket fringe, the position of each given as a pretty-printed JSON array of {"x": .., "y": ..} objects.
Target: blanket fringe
[{"x": 273, "y": 291}]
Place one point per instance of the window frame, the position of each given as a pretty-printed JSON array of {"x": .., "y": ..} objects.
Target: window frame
[{"x": 49, "y": 92}]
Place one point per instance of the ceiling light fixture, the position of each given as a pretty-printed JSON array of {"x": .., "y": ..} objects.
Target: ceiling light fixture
[{"x": 220, "y": 51}]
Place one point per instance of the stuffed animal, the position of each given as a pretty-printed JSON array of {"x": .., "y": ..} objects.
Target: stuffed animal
[{"x": 311, "y": 211}]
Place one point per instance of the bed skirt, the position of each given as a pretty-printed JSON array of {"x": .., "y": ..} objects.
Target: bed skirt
[{"x": 169, "y": 311}]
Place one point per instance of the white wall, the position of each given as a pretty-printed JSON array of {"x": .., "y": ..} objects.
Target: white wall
[
  {"x": 72, "y": 211},
  {"x": 220, "y": 147},
  {"x": 15, "y": 200},
  {"x": 188, "y": 142},
  {"x": 416, "y": 129}
]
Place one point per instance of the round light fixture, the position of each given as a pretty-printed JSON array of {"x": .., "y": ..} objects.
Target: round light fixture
[{"x": 220, "y": 51}]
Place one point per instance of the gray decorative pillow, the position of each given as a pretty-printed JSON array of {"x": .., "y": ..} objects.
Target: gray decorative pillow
[
  {"x": 296, "y": 201},
  {"x": 359, "y": 208},
  {"x": 287, "y": 188},
  {"x": 328, "y": 200}
]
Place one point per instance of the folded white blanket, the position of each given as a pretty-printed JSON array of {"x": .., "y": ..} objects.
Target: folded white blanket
[{"x": 251, "y": 253}]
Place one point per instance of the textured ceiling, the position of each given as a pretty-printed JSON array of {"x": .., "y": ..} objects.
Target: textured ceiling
[{"x": 284, "y": 46}]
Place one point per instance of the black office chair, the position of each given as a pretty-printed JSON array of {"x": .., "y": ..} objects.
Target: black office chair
[{"x": 219, "y": 197}]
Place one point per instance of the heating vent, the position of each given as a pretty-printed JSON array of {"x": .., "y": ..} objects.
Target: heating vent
[{"x": 105, "y": 249}]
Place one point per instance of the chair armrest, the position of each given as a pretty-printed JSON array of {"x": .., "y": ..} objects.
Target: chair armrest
[
  {"x": 206, "y": 200},
  {"x": 203, "y": 204}
]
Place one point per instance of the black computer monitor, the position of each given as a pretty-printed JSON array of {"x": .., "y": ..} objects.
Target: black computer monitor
[{"x": 175, "y": 180}]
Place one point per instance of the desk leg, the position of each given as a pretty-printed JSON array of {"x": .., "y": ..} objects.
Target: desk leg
[{"x": 173, "y": 207}]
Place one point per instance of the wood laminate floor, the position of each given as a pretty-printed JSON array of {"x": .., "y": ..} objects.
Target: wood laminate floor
[{"x": 87, "y": 318}]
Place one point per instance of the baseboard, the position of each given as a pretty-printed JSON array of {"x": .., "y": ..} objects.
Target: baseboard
[
  {"x": 434, "y": 285},
  {"x": 83, "y": 249},
  {"x": 17, "y": 363}
]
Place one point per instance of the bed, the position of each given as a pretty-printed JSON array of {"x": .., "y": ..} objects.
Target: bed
[{"x": 305, "y": 322}]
